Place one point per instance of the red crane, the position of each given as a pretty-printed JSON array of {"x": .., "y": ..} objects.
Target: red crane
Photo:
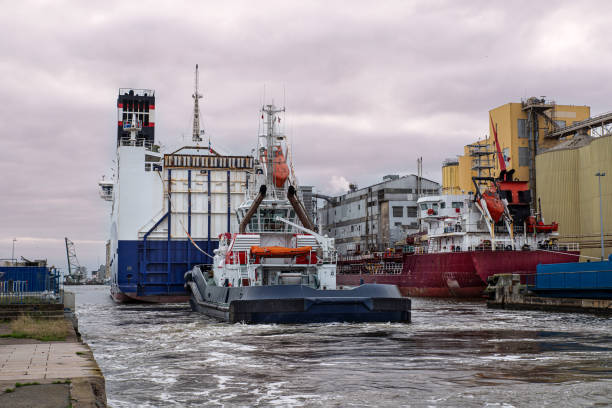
[{"x": 502, "y": 162}]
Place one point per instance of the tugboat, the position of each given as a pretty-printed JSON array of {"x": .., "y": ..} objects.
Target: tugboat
[{"x": 275, "y": 270}]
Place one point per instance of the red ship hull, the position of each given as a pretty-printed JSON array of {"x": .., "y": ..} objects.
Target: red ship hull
[
  {"x": 456, "y": 274},
  {"x": 131, "y": 297}
]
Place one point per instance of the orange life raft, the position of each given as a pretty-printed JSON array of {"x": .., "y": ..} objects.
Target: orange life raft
[{"x": 279, "y": 252}]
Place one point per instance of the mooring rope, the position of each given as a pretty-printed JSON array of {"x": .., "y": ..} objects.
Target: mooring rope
[{"x": 566, "y": 253}]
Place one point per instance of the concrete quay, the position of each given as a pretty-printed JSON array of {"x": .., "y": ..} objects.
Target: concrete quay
[
  {"x": 49, "y": 374},
  {"x": 511, "y": 294}
]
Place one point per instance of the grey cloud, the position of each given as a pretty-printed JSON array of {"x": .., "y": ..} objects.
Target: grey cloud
[{"x": 369, "y": 87}]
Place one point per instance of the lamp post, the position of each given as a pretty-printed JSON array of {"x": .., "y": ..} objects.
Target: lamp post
[
  {"x": 13, "y": 253},
  {"x": 599, "y": 175}
]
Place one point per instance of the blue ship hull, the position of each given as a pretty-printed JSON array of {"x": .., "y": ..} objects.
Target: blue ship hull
[{"x": 153, "y": 271}]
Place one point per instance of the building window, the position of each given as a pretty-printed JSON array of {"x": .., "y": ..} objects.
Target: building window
[
  {"x": 523, "y": 156},
  {"x": 352, "y": 228},
  {"x": 560, "y": 123},
  {"x": 522, "y": 128},
  {"x": 412, "y": 211},
  {"x": 398, "y": 224},
  {"x": 398, "y": 212}
]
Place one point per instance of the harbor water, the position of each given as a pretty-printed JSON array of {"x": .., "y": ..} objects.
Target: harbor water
[{"x": 453, "y": 354}]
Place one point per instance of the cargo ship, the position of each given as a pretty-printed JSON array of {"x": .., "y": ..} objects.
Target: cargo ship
[
  {"x": 168, "y": 209},
  {"x": 464, "y": 240},
  {"x": 277, "y": 269}
]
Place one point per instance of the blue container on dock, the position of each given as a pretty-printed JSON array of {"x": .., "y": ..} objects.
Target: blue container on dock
[
  {"x": 38, "y": 278},
  {"x": 588, "y": 280}
]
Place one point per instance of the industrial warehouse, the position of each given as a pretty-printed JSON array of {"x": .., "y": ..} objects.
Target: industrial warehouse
[{"x": 559, "y": 150}]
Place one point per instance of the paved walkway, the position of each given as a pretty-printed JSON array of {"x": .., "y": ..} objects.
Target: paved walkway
[{"x": 30, "y": 362}]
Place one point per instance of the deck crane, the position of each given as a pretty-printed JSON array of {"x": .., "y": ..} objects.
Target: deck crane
[{"x": 75, "y": 271}]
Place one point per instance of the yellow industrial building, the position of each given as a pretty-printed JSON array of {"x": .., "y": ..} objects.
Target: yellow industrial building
[
  {"x": 521, "y": 129},
  {"x": 569, "y": 191},
  {"x": 531, "y": 138}
]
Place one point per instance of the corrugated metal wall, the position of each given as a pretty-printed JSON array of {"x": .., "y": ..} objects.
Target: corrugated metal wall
[
  {"x": 38, "y": 277},
  {"x": 569, "y": 191},
  {"x": 559, "y": 189},
  {"x": 450, "y": 179}
]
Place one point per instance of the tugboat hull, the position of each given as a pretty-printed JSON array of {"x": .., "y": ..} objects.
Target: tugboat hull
[{"x": 288, "y": 304}]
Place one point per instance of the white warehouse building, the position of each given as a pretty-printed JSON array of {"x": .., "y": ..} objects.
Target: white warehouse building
[{"x": 376, "y": 217}]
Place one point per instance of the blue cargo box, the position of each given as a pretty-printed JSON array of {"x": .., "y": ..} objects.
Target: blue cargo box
[
  {"x": 576, "y": 279},
  {"x": 39, "y": 278}
]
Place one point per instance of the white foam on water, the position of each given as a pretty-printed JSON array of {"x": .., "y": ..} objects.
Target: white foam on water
[{"x": 453, "y": 354}]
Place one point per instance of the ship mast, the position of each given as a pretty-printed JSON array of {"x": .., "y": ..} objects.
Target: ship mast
[
  {"x": 196, "y": 136},
  {"x": 271, "y": 137}
]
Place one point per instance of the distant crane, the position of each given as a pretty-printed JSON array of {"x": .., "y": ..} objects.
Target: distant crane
[
  {"x": 196, "y": 109},
  {"x": 75, "y": 271}
]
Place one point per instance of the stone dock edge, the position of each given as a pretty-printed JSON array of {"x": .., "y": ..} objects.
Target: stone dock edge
[
  {"x": 509, "y": 293},
  {"x": 87, "y": 385},
  {"x": 89, "y": 391}
]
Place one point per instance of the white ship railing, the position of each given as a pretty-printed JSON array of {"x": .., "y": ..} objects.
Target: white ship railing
[
  {"x": 148, "y": 145},
  {"x": 502, "y": 246},
  {"x": 136, "y": 92}
]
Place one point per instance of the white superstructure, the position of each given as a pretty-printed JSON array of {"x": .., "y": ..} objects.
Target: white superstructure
[
  {"x": 454, "y": 223},
  {"x": 168, "y": 210},
  {"x": 270, "y": 247}
]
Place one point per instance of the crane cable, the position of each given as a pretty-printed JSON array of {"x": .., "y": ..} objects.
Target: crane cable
[{"x": 181, "y": 221}]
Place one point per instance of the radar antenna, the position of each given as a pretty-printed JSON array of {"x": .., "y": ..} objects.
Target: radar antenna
[{"x": 196, "y": 135}]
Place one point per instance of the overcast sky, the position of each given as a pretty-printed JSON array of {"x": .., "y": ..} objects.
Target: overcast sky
[{"x": 369, "y": 87}]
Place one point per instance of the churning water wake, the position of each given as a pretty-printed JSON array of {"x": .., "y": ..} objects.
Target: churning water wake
[{"x": 457, "y": 354}]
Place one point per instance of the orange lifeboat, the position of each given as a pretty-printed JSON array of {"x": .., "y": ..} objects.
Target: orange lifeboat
[
  {"x": 279, "y": 252},
  {"x": 280, "y": 168},
  {"x": 539, "y": 226},
  {"x": 494, "y": 204}
]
